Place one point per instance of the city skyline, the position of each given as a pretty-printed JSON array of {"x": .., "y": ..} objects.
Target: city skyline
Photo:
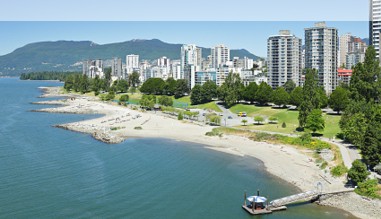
[{"x": 250, "y": 35}]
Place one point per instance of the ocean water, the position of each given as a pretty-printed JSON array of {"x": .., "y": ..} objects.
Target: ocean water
[{"x": 46, "y": 172}]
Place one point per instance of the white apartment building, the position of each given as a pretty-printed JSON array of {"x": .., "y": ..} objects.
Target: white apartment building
[
  {"x": 93, "y": 68},
  {"x": 190, "y": 55},
  {"x": 220, "y": 54},
  {"x": 375, "y": 24},
  {"x": 132, "y": 63},
  {"x": 284, "y": 59},
  {"x": 321, "y": 44}
]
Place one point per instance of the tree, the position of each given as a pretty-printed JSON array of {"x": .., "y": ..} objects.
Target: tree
[
  {"x": 244, "y": 121},
  {"x": 258, "y": 119},
  {"x": 315, "y": 121},
  {"x": 153, "y": 86},
  {"x": 364, "y": 84},
  {"x": 165, "y": 101},
  {"x": 121, "y": 86},
  {"x": 289, "y": 86},
  {"x": 181, "y": 88},
  {"x": 264, "y": 93},
  {"x": 230, "y": 90},
  {"x": 69, "y": 83},
  {"x": 96, "y": 85},
  {"x": 124, "y": 98},
  {"x": 280, "y": 97},
  {"x": 310, "y": 97},
  {"x": 148, "y": 101},
  {"x": 250, "y": 91},
  {"x": 354, "y": 128},
  {"x": 371, "y": 150},
  {"x": 323, "y": 99},
  {"x": 209, "y": 90},
  {"x": 133, "y": 79},
  {"x": 170, "y": 87},
  {"x": 84, "y": 86},
  {"x": 358, "y": 172},
  {"x": 339, "y": 99},
  {"x": 296, "y": 96},
  {"x": 196, "y": 95}
]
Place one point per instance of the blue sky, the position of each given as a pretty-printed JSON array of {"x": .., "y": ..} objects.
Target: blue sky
[{"x": 26, "y": 21}]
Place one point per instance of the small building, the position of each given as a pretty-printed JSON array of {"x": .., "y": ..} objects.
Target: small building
[{"x": 344, "y": 76}]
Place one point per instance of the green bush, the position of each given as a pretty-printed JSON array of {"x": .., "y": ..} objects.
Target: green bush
[
  {"x": 138, "y": 128},
  {"x": 273, "y": 120},
  {"x": 358, "y": 172},
  {"x": 180, "y": 116},
  {"x": 258, "y": 119},
  {"x": 284, "y": 125},
  {"x": 323, "y": 165},
  {"x": 214, "y": 132},
  {"x": 368, "y": 188},
  {"x": 339, "y": 170},
  {"x": 165, "y": 101}
]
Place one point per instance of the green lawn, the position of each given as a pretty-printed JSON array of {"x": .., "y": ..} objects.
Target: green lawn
[
  {"x": 287, "y": 116},
  {"x": 249, "y": 109},
  {"x": 184, "y": 102}
]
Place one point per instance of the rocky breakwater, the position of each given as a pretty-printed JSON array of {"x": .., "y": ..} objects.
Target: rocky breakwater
[
  {"x": 359, "y": 206},
  {"x": 99, "y": 133}
]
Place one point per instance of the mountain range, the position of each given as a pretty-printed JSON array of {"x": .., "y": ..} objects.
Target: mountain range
[{"x": 67, "y": 55}]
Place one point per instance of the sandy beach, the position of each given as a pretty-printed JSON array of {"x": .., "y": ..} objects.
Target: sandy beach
[{"x": 120, "y": 122}]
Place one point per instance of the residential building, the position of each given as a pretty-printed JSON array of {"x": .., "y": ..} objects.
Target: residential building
[
  {"x": 190, "y": 75},
  {"x": 116, "y": 69},
  {"x": 93, "y": 68},
  {"x": 201, "y": 77},
  {"x": 284, "y": 59},
  {"x": 344, "y": 48},
  {"x": 321, "y": 45},
  {"x": 352, "y": 51},
  {"x": 344, "y": 76},
  {"x": 375, "y": 24},
  {"x": 190, "y": 55},
  {"x": 132, "y": 63},
  {"x": 220, "y": 54}
]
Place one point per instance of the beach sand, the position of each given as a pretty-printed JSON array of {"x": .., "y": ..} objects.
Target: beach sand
[{"x": 286, "y": 162}]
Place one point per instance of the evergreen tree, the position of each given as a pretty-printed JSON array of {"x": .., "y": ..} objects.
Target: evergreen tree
[
  {"x": 364, "y": 84},
  {"x": 311, "y": 99},
  {"x": 196, "y": 95},
  {"x": 230, "y": 90},
  {"x": 371, "y": 151},
  {"x": 181, "y": 88},
  {"x": 358, "y": 172}
]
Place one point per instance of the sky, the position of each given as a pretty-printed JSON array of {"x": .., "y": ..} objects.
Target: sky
[{"x": 237, "y": 24}]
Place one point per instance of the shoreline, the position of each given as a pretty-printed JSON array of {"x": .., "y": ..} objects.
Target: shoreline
[{"x": 285, "y": 162}]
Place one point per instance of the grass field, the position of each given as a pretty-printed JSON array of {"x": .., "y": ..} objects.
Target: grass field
[{"x": 290, "y": 118}]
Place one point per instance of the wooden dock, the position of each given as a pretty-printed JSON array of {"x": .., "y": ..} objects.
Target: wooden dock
[{"x": 280, "y": 204}]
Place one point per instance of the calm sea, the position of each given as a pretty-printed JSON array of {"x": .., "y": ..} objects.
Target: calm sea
[{"x": 46, "y": 172}]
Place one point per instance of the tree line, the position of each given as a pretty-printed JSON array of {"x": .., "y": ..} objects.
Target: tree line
[
  {"x": 361, "y": 120},
  {"x": 47, "y": 75}
]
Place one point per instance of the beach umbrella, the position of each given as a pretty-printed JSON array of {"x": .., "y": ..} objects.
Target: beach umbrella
[{"x": 257, "y": 199}]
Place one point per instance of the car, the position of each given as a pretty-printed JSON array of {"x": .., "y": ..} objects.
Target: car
[
  {"x": 243, "y": 114},
  {"x": 203, "y": 114},
  {"x": 221, "y": 114},
  {"x": 230, "y": 117}
]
